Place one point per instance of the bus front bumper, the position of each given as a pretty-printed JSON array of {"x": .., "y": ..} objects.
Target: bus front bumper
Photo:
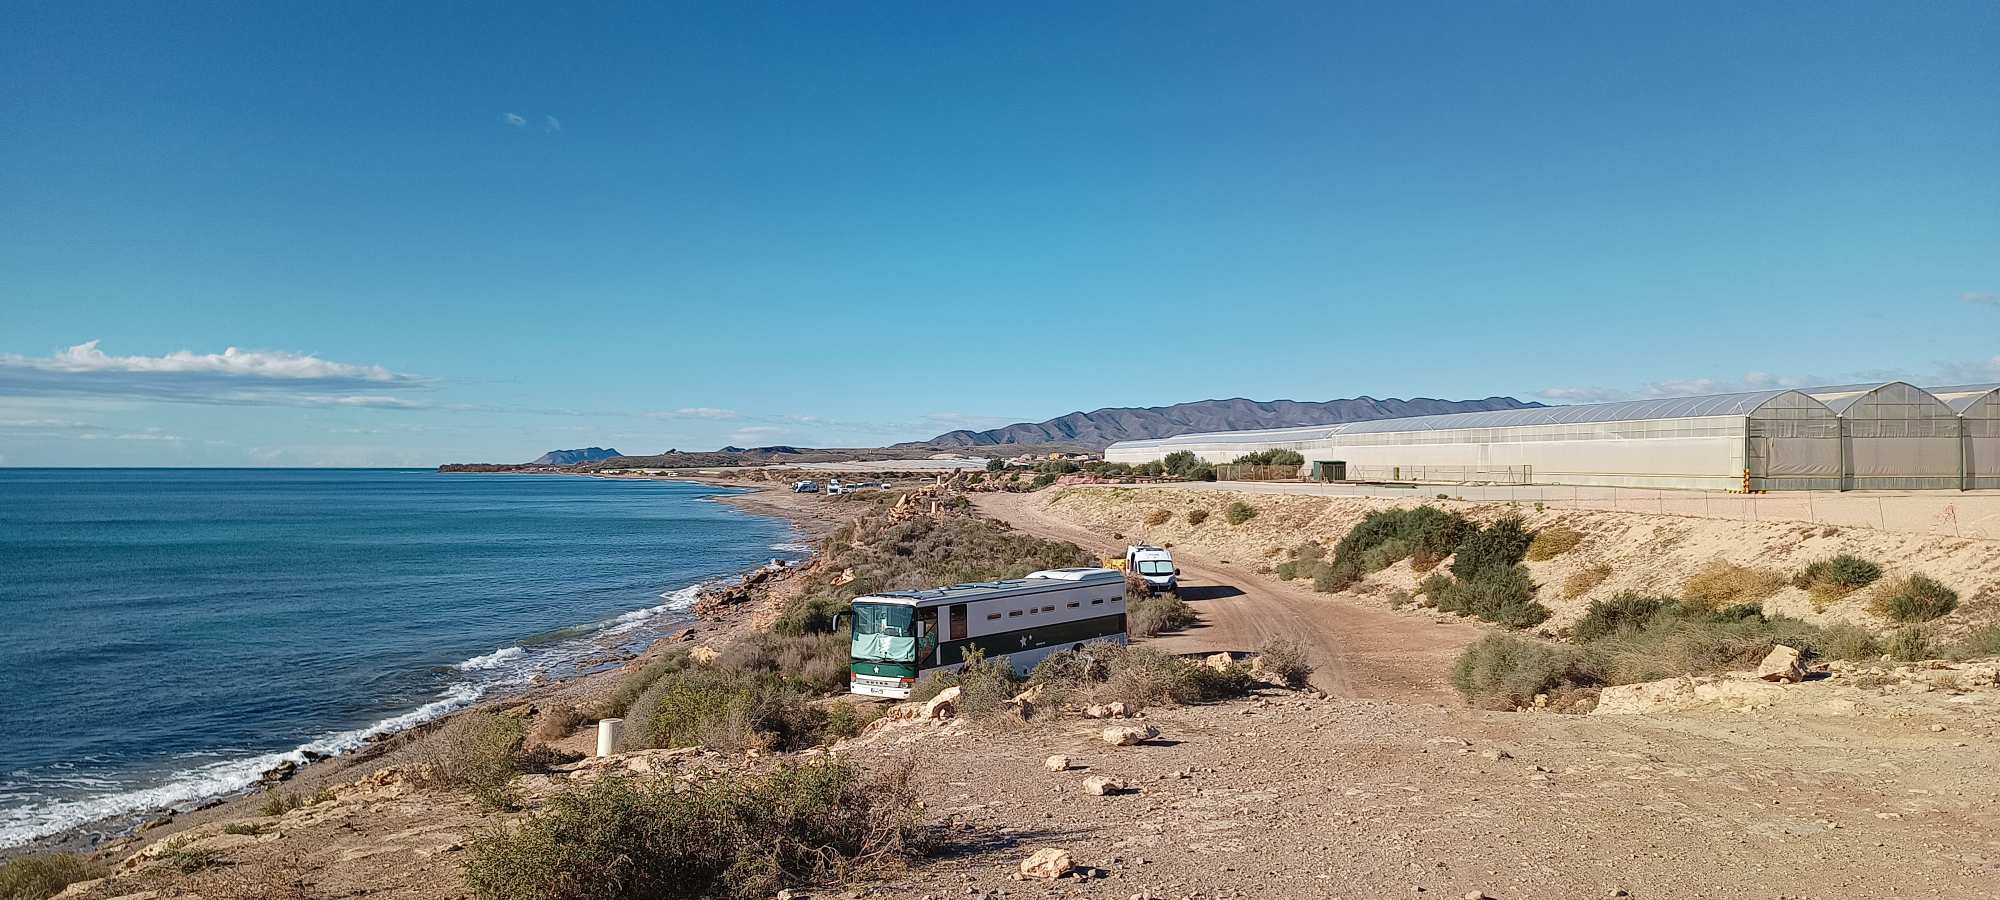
[{"x": 878, "y": 686}]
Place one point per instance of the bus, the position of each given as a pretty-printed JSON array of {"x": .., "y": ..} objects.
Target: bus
[{"x": 898, "y": 636}]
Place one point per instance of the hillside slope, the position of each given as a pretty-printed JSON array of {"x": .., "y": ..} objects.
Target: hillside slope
[{"x": 1104, "y": 427}]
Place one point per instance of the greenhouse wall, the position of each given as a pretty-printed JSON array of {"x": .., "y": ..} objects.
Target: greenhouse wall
[
  {"x": 1898, "y": 437},
  {"x": 1979, "y": 434}
]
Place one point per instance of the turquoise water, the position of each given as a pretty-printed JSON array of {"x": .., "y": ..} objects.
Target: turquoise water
[{"x": 171, "y": 634}]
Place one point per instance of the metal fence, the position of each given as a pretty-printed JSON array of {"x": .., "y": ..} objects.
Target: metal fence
[{"x": 1236, "y": 472}]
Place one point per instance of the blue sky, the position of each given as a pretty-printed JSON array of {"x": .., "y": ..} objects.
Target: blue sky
[{"x": 443, "y": 232}]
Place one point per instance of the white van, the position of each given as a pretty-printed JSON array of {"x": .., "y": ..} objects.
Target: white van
[{"x": 1155, "y": 565}]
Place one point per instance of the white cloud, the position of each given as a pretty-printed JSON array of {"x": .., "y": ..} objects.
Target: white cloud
[
  {"x": 551, "y": 123},
  {"x": 754, "y": 434},
  {"x": 1583, "y": 394},
  {"x": 704, "y": 412},
  {"x": 513, "y": 120},
  {"x": 232, "y": 377},
  {"x": 1942, "y": 373},
  {"x": 1973, "y": 372},
  {"x": 1981, "y": 298}
]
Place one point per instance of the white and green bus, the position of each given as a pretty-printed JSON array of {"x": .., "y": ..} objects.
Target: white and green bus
[{"x": 901, "y": 635}]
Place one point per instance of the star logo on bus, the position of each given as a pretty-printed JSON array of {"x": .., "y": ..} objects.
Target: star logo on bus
[{"x": 1024, "y": 642}]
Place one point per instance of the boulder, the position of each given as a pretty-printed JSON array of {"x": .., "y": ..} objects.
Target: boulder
[
  {"x": 1782, "y": 664},
  {"x": 1100, "y": 786},
  {"x": 1127, "y": 735},
  {"x": 1097, "y": 711},
  {"x": 1048, "y": 862},
  {"x": 944, "y": 705},
  {"x": 1121, "y": 710},
  {"x": 1056, "y": 764},
  {"x": 704, "y": 655},
  {"x": 1221, "y": 662}
]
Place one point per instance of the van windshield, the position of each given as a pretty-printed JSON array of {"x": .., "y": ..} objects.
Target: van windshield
[
  {"x": 884, "y": 632},
  {"x": 1156, "y": 567}
]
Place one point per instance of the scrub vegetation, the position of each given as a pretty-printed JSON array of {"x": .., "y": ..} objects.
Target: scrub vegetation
[
  {"x": 1634, "y": 637},
  {"x": 42, "y": 876},
  {"x": 1835, "y": 577},
  {"x": 806, "y": 824},
  {"x": 480, "y": 753}
]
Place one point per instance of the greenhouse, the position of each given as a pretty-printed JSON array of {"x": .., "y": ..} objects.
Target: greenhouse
[
  {"x": 1978, "y": 409},
  {"x": 1888, "y": 436}
]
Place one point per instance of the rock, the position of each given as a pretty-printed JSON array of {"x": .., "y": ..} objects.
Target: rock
[
  {"x": 1221, "y": 662},
  {"x": 1674, "y": 694},
  {"x": 1049, "y": 862},
  {"x": 685, "y": 634},
  {"x": 1782, "y": 664},
  {"x": 1127, "y": 735},
  {"x": 942, "y": 706},
  {"x": 1056, "y": 764},
  {"x": 1495, "y": 754},
  {"x": 1119, "y": 709},
  {"x": 704, "y": 655},
  {"x": 1475, "y": 895},
  {"x": 1937, "y": 729},
  {"x": 1100, "y": 786},
  {"x": 1097, "y": 711}
]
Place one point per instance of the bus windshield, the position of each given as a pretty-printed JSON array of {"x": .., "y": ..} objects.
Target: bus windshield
[
  {"x": 884, "y": 632},
  {"x": 1156, "y": 567}
]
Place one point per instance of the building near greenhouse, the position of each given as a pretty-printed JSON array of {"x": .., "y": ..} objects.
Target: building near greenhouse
[{"x": 1870, "y": 437}]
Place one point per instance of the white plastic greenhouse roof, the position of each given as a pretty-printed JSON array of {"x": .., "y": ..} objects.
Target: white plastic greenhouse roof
[
  {"x": 1960, "y": 397},
  {"x": 1621, "y": 411}
]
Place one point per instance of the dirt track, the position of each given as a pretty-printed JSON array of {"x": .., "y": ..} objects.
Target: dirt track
[{"x": 1361, "y": 652}]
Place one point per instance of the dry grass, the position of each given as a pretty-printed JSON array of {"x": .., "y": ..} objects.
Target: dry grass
[
  {"x": 1585, "y": 580},
  {"x": 1552, "y": 542},
  {"x": 1197, "y": 516},
  {"x": 36, "y": 877},
  {"x": 1722, "y": 583},
  {"x": 558, "y": 723},
  {"x": 1158, "y": 517}
]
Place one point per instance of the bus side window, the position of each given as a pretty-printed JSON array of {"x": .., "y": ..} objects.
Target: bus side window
[{"x": 960, "y": 628}]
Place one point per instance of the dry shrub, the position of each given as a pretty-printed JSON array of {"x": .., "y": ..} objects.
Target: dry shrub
[
  {"x": 39, "y": 876},
  {"x": 812, "y": 823},
  {"x": 1158, "y": 517},
  {"x": 1914, "y": 598},
  {"x": 480, "y": 752},
  {"x": 1197, "y": 516},
  {"x": 556, "y": 724},
  {"x": 1154, "y": 615},
  {"x": 1585, "y": 580},
  {"x": 1982, "y": 641},
  {"x": 1722, "y": 583},
  {"x": 1288, "y": 660},
  {"x": 1849, "y": 641},
  {"x": 1911, "y": 643},
  {"x": 1239, "y": 512},
  {"x": 1552, "y": 542},
  {"x": 1502, "y": 671},
  {"x": 1149, "y": 677}
]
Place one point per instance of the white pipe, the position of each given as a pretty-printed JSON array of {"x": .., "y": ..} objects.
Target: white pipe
[{"x": 608, "y": 733}]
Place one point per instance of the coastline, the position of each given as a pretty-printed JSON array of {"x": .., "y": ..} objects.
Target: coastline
[{"x": 384, "y": 745}]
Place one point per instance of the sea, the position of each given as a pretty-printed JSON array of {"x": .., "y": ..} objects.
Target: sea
[{"x": 169, "y": 635}]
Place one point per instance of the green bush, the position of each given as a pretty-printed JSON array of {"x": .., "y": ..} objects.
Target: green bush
[
  {"x": 37, "y": 877},
  {"x": 1239, "y": 512},
  {"x": 1506, "y": 672},
  {"x": 1180, "y": 462},
  {"x": 1425, "y": 534},
  {"x": 1552, "y": 542},
  {"x": 996, "y": 464},
  {"x": 806, "y": 824},
  {"x": 1385, "y": 554},
  {"x": 1626, "y": 612},
  {"x": 1914, "y": 598},
  {"x": 1311, "y": 551},
  {"x": 1502, "y": 595},
  {"x": 1270, "y": 458},
  {"x": 1148, "y": 676},
  {"x": 1203, "y": 472},
  {"x": 1911, "y": 643},
  {"x": 1043, "y": 480},
  {"x": 1500, "y": 545},
  {"x": 1434, "y": 585},
  {"x": 725, "y": 710},
  {"x": 1154, "y": 615},
  {"x": 1837, "y": 576},
  {"x": 1334, "y": 578},
  {"x": 1197, "y": 516}
]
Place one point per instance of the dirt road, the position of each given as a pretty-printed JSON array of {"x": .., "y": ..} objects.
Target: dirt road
[{"x": 1360, "y": 651}]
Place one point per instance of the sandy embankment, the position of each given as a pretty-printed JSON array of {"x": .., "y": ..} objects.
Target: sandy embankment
[{"x": 1645, "y": 552}]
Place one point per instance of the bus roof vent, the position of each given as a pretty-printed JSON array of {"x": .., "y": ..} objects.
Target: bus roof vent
[{"x": 1080, "y": 573}]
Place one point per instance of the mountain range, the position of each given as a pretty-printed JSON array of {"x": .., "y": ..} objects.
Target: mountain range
[{"x": 1101, "y": 428}]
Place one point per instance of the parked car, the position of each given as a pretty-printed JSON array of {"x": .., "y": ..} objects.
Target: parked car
[{"x": 805, "y": 487}]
